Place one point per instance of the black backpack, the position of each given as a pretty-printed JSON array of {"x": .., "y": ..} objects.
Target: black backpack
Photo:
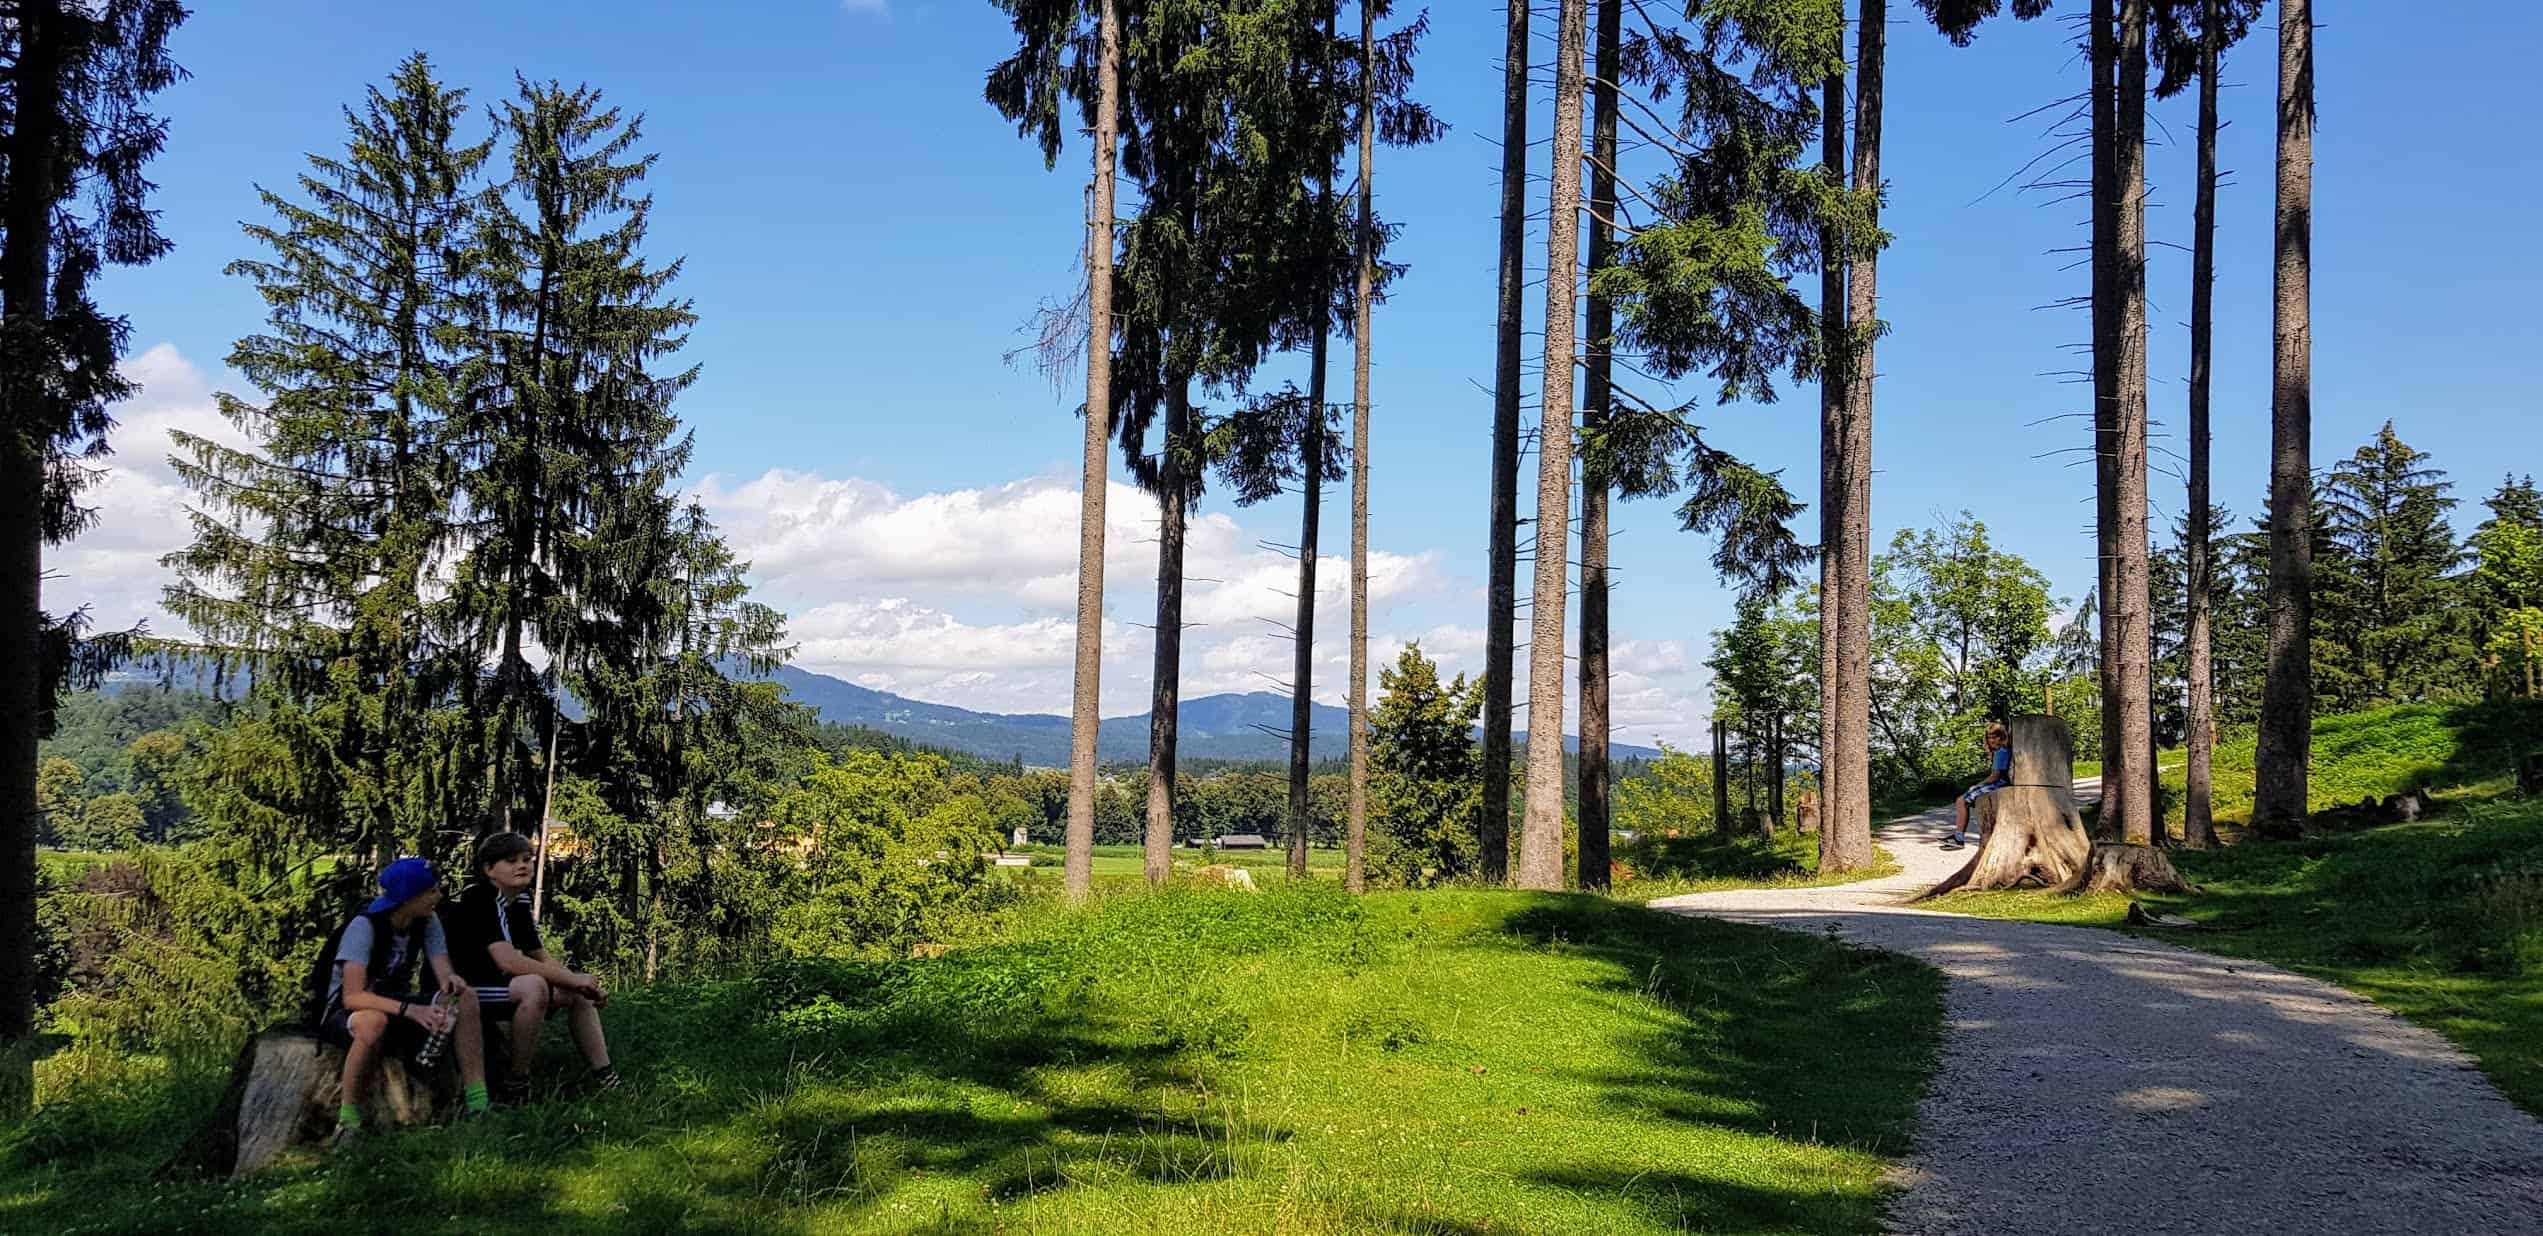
[{"x": 315, "y": 1006}]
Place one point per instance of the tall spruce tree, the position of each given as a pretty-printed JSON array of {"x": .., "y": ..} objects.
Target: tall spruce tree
[
  {"x": 2283, "y": 754},
  {"x": 1032, "y": 88},
  {"x": 1541, "y": 838},
  {"x": 2391, "y": 629},
  {"x": 1598, "y": 381},
  {"x": 1500, "y": 626},
  {"x": 576, "y": 432},
  {"x": 318, "y": 548},
  {"x": 2192, "y": 38},
  {"x": 75, "y": 85}
]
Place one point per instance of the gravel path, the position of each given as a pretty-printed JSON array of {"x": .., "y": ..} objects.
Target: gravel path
[{"x": 2092, "y": 1082}]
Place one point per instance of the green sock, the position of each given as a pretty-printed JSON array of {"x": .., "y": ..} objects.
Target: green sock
[
  {"x": 348, "y": 1115},
  {"x": 477, "y": 1100}
]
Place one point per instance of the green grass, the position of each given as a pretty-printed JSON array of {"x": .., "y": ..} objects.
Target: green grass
[
  {"x": 1455, "y": 1062},
  {"x": 1673, "y": 866}
]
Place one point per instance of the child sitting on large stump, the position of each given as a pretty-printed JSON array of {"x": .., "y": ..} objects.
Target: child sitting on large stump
[
  {"x": 375, "y": 1001},
  {"x": 495, "y": 946}
]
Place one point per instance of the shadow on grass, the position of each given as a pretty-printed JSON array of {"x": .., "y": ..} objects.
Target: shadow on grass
[
  {"x": 822, "y": 1094},
  {"x": 1772, "y": 1034}
]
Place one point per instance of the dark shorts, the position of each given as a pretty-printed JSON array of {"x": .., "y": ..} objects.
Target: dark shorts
[{"x": 403, "y": 1038}]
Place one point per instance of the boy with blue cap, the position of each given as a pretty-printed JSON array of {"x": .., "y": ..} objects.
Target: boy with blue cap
[{"x": 376, "y": 999}]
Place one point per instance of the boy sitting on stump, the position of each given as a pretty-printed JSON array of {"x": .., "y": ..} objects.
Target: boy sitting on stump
[
  {"x": 374, "y": 1001},
  {"x": 495, "y": 947}
]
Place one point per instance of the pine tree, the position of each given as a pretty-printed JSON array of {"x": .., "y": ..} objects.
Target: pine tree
[
  {"x": 1425, "y": 779},
  {"x": 2193, "y": 36},
  {"x": 2282, "y": 760},
  {"x": 2389, "y": 615},
  {"x": 1031, "y": 89},
  {"x": 1596, "y": 398},
  {"x": 318, "y": 549},
  {"x": 1492, "y": 827},
  {"x": 578, "y": 419},
  {"x": 75, "y": 85}
]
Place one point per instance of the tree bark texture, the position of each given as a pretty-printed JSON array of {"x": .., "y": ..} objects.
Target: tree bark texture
[
  {"x": 1501, "y": 619},
  {"x": 1838, "y": 765},
  {"x": 2102, "y": 44},
  {"x": 25, "y": 431},
  {"x": 2198, "y": 824},
  {"x": 1596, "y": 393},
  {"x": 1847, "y": 837},
  {"x": 2132, "y": 609},
  {"x": 2282, "y": 762},
  {"x": 1721, "y": 779},
  {"x": 1165, "y": 695},
  {"x": 1541, "y": 839},
  {"x": 2033, "y": 835},
  {"x": 1086, "y": 696},
  {"x": 1355, "y": 856},
  {"x": 1302, "y": 663}
]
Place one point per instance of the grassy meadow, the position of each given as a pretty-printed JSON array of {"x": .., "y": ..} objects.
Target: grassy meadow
[{"x": 1449, "y": 1062}]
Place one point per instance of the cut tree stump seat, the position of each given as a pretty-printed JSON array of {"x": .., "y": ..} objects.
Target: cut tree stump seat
[{"x": 284, "y": 1091}]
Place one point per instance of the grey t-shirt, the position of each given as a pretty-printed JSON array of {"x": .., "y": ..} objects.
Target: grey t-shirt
[{"x": 357, "y": 944}]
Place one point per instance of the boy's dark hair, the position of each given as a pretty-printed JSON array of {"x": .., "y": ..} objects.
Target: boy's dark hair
[{"x": 498, "y": 847}]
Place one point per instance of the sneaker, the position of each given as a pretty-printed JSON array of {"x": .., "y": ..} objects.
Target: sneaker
[
  {"x": 602, "y": 1079},
  {"x": 1954, "y": 843},
  {"x": 345, "y": 1135},
  {"x": 511, "y": 1092}
]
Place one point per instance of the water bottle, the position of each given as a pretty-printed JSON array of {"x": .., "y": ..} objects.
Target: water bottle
[{"x": 440, "y": 1037}]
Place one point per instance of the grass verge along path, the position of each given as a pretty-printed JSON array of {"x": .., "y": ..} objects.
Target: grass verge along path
[{"x": 1296, "y": 1062}]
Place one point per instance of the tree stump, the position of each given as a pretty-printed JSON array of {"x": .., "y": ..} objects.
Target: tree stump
[
  {"x": 2033, "y": 835},
  {"x": 1805, "y": 812},
  {"x": 1760, "y": 824},
  {"x": 284, "y": 1090},
  {"x": 2119, "y": 868}
]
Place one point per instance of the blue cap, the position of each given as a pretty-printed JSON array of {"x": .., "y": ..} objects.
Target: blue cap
[{"x": 401, "y": 881}]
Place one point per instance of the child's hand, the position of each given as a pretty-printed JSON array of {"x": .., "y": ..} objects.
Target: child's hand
[
  {"x": 427, "y": 1016},
  {"x": 454, "y": 986},
  {"x": 590, "y": 989}
]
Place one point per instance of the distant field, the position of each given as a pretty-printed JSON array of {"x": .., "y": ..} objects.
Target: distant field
[{"x": 1130, "y": 860}]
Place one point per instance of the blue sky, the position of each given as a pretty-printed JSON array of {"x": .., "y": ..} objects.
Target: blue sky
[{"x": 864, "y": 238}]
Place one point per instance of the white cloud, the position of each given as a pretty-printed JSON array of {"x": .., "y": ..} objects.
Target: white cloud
[
  {"x": 963, "y": 597},
  {"x": 141, "y": 506}
]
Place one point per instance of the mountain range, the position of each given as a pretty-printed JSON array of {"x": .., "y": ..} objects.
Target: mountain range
[
  {"x": 1243, "y": 726},
  {"x": 1240, "y": 726}
]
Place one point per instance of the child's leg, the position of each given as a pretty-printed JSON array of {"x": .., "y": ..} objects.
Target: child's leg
[
  {"x": 530, "y": 1002},
  {"x": 365, "y": 1026},
  {"x": 585, "y": 1019},
  {"x": 470, "y": 1040}
]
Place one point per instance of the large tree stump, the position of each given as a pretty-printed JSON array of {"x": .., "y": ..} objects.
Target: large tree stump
[
  {"x": 2034, "y": 836},
  {"x": 284, "y": 1090},
  {"x": 2120, "y": 868},
  {"x": 1805, "y": 812}
]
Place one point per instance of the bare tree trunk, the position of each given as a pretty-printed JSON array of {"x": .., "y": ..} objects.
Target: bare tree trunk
[
  {"x": 25, "y": 261},
  {"x": 1492, "y": 826},
  {"x": 1837, "y": 763},
  {"x": 2284, "y": 756},
  {"x": 547, "y": 798},
  {"x": 1165, "y": 693},
  {"x": 2132, "y": 609},
  {"x": 2198, "y": 824},
  {"x": 1355, "y": 854},
  {"x": 1541, "y": 840},
  {"x": 1594, "y": 480},
  {"x": 1848, "y": 839},
  {"x": 1721, "y": 779},
  {"x": 1775, "y": 769},
  {"x": 2102, "y": 44},
  {"x": 1302, "y": 665},
  {"x": 1086, "y": 698}
]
